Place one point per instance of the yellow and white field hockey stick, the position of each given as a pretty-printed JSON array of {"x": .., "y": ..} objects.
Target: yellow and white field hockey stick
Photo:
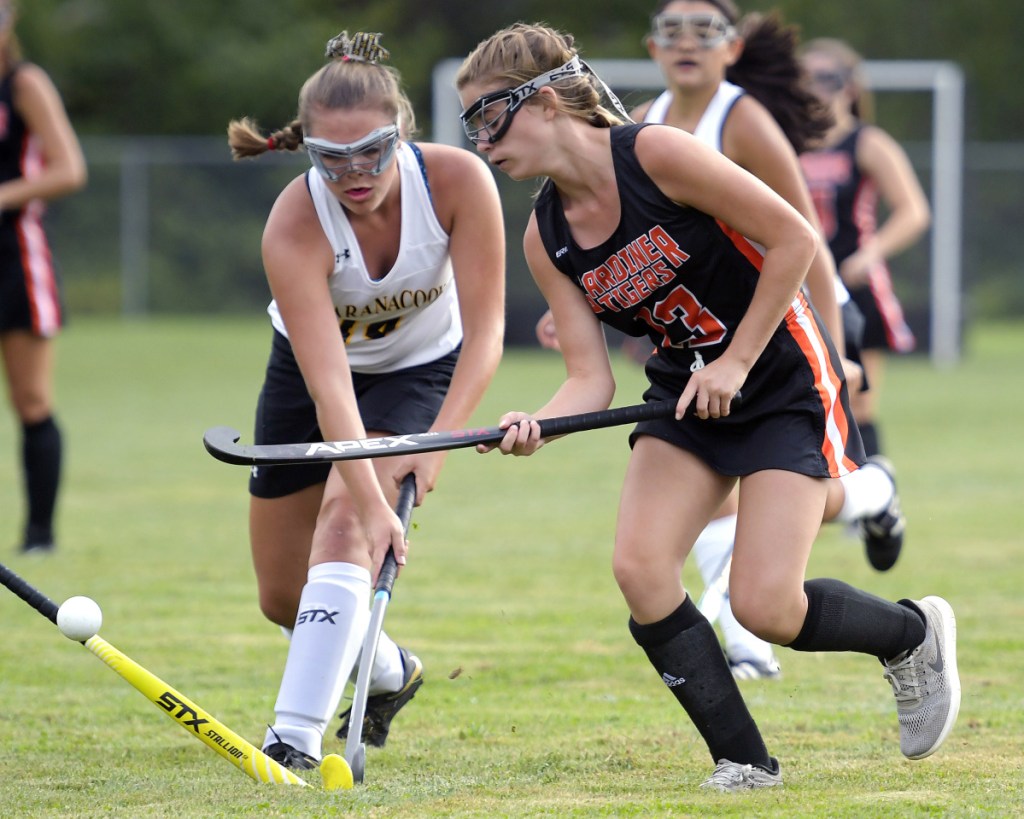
[{"x": 197, "y": 722}]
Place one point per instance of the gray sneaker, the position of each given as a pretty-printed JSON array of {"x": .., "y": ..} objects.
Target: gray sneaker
[
  {"x": 926, "y": 683},
  {"x": 731, "y": 777}
]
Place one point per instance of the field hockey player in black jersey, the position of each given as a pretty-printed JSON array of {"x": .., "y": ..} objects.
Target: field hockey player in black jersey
[{"x": 646, "y": 229}]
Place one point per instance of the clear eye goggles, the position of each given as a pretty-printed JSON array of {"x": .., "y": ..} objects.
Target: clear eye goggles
[
  {"x": 487, "y": 119},
  {"x": 372, "y": 154},
  {"x": 831, "y": 82},
  {"x": 709, "y": 30}
]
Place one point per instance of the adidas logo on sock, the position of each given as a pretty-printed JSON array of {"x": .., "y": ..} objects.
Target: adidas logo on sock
[{"x": 671, "y": 681}]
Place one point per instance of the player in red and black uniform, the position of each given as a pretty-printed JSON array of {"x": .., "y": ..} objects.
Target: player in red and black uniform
[
  {"x": 642, "y": 228},
  {"x": 853, "y": 167},
  {"x": 40, "y": 159}
]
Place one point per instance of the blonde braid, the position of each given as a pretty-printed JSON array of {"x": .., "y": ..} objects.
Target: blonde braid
[{"x": 245, "y": 139}]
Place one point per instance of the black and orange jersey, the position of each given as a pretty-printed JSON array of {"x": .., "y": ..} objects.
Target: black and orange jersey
[{"x": 686, "y": 280}]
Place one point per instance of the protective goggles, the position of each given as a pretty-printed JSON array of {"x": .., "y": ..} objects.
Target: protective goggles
[
  {"x": 489, "y": 118},
  {"x": 709, "y": 30},
  {"x": 372, "y": 154},
  {"x": 831, "y": 82}
]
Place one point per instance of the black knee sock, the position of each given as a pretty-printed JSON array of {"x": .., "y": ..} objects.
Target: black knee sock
[
  {"x": 685, "y": 651},
  {"x": 842, "y": 618},
  {"x": 872, "y": 440},
  {"x": 41, "y": 458}
]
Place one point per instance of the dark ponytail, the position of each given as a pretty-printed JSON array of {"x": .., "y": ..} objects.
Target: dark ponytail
[{"x": 769, "y": 70}]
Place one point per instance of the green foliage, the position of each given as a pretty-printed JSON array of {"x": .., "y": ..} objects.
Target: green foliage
[
  {"x": 537, "y": 701},
  {"x": 187, "y": 67}
]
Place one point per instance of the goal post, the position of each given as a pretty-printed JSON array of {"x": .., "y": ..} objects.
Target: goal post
[{"x": 944, "y": 80}]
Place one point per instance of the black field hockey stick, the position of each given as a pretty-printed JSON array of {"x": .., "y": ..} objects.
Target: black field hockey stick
[
  {"x": 222, "y": 442},
  {"x": 355, "y": 748}
]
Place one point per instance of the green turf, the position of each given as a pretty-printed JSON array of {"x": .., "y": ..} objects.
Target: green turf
[{"x": 537, "y": 701}]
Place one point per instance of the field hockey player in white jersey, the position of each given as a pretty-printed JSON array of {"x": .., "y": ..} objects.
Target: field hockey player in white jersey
[{"x": 386, "y": 265}]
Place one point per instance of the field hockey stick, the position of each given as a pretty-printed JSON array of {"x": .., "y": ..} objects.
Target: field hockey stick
[
  {"x": 355, "y": 748},
  {"x": 221, "y": 442},
  {"x": 196, "y": 721},
  {"x": 716, "y": 592}
]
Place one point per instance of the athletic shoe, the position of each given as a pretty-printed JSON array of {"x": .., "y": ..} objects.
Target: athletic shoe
[
  {"x": 883, "y": 533},
  {"x": 731, "y": 777},
  {"x": 755, "y": 669},
  {"x": 381, "y": 708},
  {"x": 926, "y": 683},
  {"x": 284, "y": 754}
]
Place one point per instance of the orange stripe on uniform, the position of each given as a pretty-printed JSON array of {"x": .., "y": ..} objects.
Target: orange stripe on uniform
[
  {"x": 807, "y": 334},
  {"x": 40, "y": 279},
  {"x": 897, "y": 332},
  {"x": 805, "y": 331},
  {"x": 36, "y": 259},
  {"x": 752, "y": 252}
]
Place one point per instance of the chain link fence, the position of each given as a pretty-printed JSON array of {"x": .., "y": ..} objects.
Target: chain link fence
[{"x": 173, "y": 225}]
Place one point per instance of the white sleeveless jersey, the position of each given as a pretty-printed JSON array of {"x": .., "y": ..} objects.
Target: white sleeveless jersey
[
  {"x": 411, "y": 315},
  {"x": 712, "y": 121},
  {"x": 709, "y": 131}
]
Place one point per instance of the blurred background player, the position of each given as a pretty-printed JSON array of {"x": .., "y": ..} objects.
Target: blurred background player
[
  {"x": 853, "y": 166},
  {"x": 386, "y": 264},
  {"x": 40, "y": 160}
]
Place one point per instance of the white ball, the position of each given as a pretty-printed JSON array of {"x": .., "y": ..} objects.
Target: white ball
[{"x": 79, "y": 618}]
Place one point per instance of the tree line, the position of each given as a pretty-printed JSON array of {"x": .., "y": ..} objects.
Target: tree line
[{"x": 145, "y": 67}]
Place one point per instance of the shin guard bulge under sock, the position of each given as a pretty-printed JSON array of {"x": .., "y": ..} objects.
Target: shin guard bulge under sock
[
  {"x": 843, "y": 618},
  {"x": 325, "y": 646},
  {"x": 684, "y": 650}
]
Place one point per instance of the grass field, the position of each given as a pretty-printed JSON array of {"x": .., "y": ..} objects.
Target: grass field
[{"x": 537, "y": 701}]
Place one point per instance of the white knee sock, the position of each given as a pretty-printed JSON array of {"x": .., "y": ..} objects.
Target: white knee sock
[
  {"x": 741, "y": 644},
  {"x": 325, "y": 645},
  {"x": 868, "y": 491},
  {"x": 388, "y": 670},
  {"x": 712, "y": 549}
]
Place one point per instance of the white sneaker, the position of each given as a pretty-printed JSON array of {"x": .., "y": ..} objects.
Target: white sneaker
[
  {"x": 731, "y": 777},
  {"x": 755, "y": 669},
  {"x": 926, "y": 683}
]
